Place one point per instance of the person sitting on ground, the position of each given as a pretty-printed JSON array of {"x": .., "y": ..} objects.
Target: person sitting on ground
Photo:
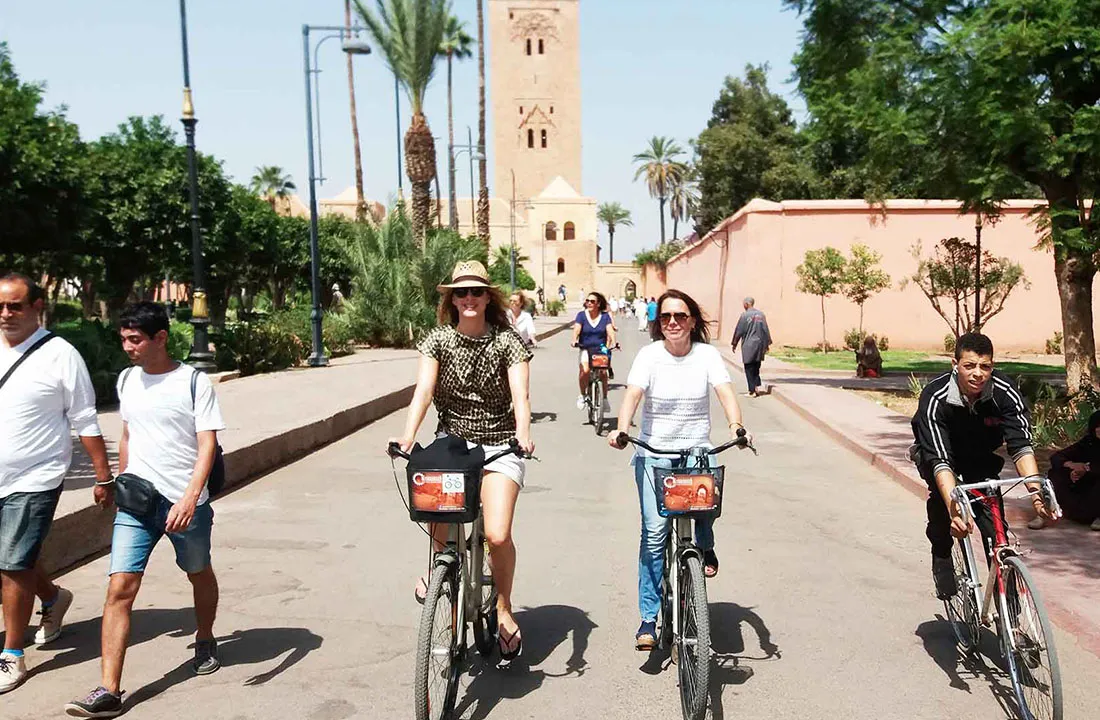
[
  {"x": 868, "y": 359},
  {"x": 1076, "y": 483}
]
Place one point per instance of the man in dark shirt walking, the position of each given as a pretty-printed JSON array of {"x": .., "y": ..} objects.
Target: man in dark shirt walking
[
  {"x": 962, "y": 419},
  {"x": 755, "y": 338}
]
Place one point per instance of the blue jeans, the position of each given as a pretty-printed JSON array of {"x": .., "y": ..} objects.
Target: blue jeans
[
  {"x": 134, "y": 539},
  {"x": 651, "y": 549}
]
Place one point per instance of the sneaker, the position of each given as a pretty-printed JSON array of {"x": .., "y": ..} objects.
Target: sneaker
[
  {"x": 13, "y": 671},
  {"x": 1037, "y": 523},
  {"x": 943, "y": 572},
  {"x": 646, "y": 637},
  {"x": 50, "y": 627},
  {"x": 1095, "y": 524},
  {"x": 581, "y": 402},
  {"x": 206, "y": 657},
  {"x": 1028, "y": 650},
  {"x": 100, "y": 703}
]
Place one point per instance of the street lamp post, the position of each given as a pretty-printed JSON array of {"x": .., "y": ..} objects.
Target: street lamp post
[
  {"x": 513, "y": 222},
  {"x": 978, "y": 273},
  {"x": 397, "y": 111},
  {"x": 355, "y": 47},
  {"x": 474, "y": 154},
  {"x": 200, "y": 357}
]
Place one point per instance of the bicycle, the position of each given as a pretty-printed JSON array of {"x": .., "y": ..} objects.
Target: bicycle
[
  {"x": 461, "y": 590},
  {"x": 684, "y": 493},
  {"x": 599, "y": 368},
  {"x": 1010, "y": 600}
]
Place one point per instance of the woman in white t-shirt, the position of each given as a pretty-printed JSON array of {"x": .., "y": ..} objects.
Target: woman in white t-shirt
[
  {"x": 521, "y": 320},
  {"x": 672, "y": 379}
]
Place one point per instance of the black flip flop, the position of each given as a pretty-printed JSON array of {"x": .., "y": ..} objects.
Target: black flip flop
[
  {"x": 421, "y": 583},
  {"x": 513, "y": 654},
  {"x": 710, "y": 564}
]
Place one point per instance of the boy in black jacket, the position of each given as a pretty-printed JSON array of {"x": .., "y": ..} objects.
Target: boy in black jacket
[{"x": 962, "y": 420}]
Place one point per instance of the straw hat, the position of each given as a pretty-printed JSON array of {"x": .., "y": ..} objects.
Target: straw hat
[{"x": 468, "y": 273}]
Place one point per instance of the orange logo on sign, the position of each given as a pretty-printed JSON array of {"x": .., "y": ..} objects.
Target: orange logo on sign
[{"x": 688, "y": 493}]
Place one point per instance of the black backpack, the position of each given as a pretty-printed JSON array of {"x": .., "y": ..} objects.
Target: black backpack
[{"x": 215, "y": 482}]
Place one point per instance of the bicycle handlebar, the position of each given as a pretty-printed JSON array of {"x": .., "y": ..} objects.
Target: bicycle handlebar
[
  {"x": 1045, "y": 491},
  {"x": 394, "y": 450},
  {"x": 741, "y": 440}
]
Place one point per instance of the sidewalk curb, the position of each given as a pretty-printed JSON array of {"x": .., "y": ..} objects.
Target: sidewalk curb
[
  {"x": 1085, "y": 631},
  {"x": 85, "y": 534}
]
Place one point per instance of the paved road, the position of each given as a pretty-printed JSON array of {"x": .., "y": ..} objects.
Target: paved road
[{"x": 823, "y": 607}]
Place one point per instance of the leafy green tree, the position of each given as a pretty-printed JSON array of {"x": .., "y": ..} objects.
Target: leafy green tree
[
  {"x": 946, "y": 278},
  {"x": 500, "y": 270},
  {"x": 43, "y": 199},
  {"x": 683, "y": 199},
  {"x": 863, "y": 277},
  {"x": 661, "y": 167},
  {"x": 408, "y": 34},
  {"x": 660, "y": 256},
  {"x": 751, "y": 148},
  {"x": 457, "y": 44},
  {"x": 979, "y": 101},
  {"x": 272, "y": 184},
  {"x": 821, "y": 273},
  {"x": 613, "y": 215}
]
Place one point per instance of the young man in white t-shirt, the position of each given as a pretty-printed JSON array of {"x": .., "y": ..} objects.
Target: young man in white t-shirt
[{"x": 169, "y": 438}]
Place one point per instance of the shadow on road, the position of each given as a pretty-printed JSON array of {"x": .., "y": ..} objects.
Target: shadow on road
[
  {"x": 544, "y": 629},
  {"x": 81, "y": 644},
  {"x": 987, "y": 667},
  {"x": 729, "y": 653},
  {"x": 540, "y": 417}
]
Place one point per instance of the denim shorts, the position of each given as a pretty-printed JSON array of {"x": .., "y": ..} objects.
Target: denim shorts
[
  {"x": 25, "y": 519},
  {"x": 134, "y": 539}
]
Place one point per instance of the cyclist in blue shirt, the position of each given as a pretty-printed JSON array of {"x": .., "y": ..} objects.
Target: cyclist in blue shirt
[
  {"x": 593, "y": 329},
  {"x": 651, "y": 313}
]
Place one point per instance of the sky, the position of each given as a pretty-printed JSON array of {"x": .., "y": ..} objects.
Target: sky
[{"x": 649, "y": 67}]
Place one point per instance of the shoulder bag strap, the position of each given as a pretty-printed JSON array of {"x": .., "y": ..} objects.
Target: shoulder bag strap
[{"x": 30, "y": 351}]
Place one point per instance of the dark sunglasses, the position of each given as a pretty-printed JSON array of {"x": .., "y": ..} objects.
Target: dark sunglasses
[
  {"x": 680, "y": 318},
  {"x": 463, "y": 292},
  {"x": 591, "y": 301},
  {"x": 13, "y": 307}
]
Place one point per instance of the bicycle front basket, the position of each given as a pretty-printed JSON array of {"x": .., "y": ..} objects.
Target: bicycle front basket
[
  {"x": 696, "y": 493},
  {"x": 444, "y": 496},
  {"x": 600, "y": 361}
]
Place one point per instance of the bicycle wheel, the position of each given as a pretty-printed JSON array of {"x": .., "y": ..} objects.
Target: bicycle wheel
[
  {"x": 693, "y": 639},
  {"x": 435, "y": 686},
  {"x": 962, "y": 612},
  {"x": 485, "y": 620},
  {"x": 1033, "y": 665},
  {"x": 597, "y": 406}
]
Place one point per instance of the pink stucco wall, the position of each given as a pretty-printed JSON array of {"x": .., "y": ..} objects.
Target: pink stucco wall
[{"x": 755, "y": 252}]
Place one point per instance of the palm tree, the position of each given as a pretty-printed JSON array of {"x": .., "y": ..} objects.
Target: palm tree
[
  {"x": 456, "y": 44},
  {"x": 272, "y": 184},
  {"x": 408, "y": 33},
  {"x": 612, "y": 214},
  {"x": 360, "y": 203},
  {"x": 683, "y": 199},
  {"x": 661, "y": 168},
  {"x": 482, "y": 167}
]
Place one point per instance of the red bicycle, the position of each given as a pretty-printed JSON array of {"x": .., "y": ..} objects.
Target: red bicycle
[{"x": 1008, "y": 601}]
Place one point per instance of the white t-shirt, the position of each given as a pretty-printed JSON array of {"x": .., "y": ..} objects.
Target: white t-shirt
[
  {"x": 676, "y": 408},
  {"x": 525, "y": 326},
  {"x": 162, "y": 423},
  {"x": 49, "y": 392}
]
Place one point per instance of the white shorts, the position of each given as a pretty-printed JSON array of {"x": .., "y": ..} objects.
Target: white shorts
[{"x": 511, "y": 466}]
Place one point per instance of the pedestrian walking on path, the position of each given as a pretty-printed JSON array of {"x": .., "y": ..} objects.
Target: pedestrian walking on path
[
  {"x": 44, "y": 390},
  {"x": 640, "y": 313},
  {"x": 672, "y": 379},
  {"x": 477, "y": 371},
  {"x": 168, "y": 450},
  {"x": 755, "y": 338}
]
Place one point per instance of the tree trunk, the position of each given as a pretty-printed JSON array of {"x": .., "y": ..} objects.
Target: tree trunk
[
  {"x": 861, "y": 322},
  {"x": 420, "y": 167},
  {"x": 611, "y": 243},
  {"x": 675, "y": 227},
  {"x": 482, "y": 167},
  {"x": 662, "y": 203},
  {"x": 453, "y": 209},
  {"x": 360, "y": 203},
  {"x": 1074, "y": 271},
  {"x": 87, "y": 297},
  {"x": 824, "y": 335}
]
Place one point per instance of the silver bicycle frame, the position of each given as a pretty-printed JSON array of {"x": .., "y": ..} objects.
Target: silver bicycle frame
[
  {"x": 469, "y": 557},
  {"x": 961, "y": 494}
]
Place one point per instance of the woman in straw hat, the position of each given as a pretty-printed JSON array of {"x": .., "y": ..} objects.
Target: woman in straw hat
[{"x": 475, "y": 368}]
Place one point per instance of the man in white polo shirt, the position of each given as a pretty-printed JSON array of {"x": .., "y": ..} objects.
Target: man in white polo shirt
[
  {"x": 44, "y": 390},
  {"x": 169, "y": 441}
]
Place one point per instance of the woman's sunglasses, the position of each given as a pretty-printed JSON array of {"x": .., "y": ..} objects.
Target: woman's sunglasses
[
  {"x": 680, "y": 318},
  {"x": 591, "y": 301},
  {"x": 463, "y": 292}
]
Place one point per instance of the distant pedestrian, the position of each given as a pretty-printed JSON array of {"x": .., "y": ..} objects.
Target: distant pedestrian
[
  {"x": 755, "y": 338},
  {"x": 44, "y": 390},
  {"x": 169, "y": 443},
  {"x": 651, "y": 314},
  {"x": 542, "y": 298},
  {"x": 640, "y": 313},
  {"x": 561, "y": 293}
]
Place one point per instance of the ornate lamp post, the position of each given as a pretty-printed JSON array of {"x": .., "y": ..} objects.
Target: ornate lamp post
[
  {"x": 200, "y": 356},
  {"x": 355, "y": 47}
]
